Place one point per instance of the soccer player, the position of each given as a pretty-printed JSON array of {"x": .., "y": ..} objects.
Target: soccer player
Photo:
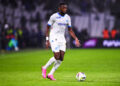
[{"x": 57, "y": 24}]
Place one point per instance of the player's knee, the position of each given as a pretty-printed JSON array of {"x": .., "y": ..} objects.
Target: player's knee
[
  {"x": 57, "y": 56},
  {"x": 61, "y": 57}
]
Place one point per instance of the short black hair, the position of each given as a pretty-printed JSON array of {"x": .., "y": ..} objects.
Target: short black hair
[{"x": 62, "y": 3}]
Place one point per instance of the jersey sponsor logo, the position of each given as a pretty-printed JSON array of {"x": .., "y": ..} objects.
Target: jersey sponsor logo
[{"x": 64, "y": 24}]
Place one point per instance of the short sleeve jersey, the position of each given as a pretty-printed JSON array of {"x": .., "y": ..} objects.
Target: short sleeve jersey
[{"x": 58, "y": 25}]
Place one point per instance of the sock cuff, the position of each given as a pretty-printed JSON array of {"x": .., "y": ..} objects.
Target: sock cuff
[
  {"x": 59, "y": 61},
  {"x": 53, "y": 58}
]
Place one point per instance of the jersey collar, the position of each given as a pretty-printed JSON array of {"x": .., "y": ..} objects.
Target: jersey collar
[{"x": 60, "y": 14}]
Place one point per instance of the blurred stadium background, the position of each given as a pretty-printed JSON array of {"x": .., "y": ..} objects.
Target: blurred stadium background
[
  {"x": 23, "y": 23},
  {"x": 22, "y": 28}
]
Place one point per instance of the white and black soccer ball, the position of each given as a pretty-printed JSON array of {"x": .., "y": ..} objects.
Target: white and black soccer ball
[{"x": 80, "y": 76}]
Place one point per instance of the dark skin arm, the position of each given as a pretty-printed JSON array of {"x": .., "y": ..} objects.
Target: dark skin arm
[
  {"x": 47, "y": 35},
  {"x": 77, "y": 43}
]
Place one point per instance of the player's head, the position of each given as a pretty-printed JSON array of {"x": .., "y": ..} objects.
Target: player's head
[{"x": 62, "y": 7}]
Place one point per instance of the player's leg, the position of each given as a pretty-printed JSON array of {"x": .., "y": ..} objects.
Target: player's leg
[
  {"x": 57, "y": 55},
  {"x": 51, "y": 60},
  {"x": 62, "y": 53},
  {"x": 59, "y": 58},
  {"x": 55, "y": 48},
  {"x": 56, "y": 65}
]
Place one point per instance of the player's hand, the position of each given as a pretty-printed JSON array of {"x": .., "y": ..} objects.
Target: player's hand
[
  {"x": 47, "y": 44},
  {"x": 77, "y": 43}
]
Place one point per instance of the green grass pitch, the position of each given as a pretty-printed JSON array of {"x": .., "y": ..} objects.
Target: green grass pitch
[{"x": 101, "y": 66}]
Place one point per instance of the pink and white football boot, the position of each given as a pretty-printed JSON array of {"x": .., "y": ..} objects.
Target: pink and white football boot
[
  {"x": 51, "y": 77},
  {"x": 43, "y": 72}
]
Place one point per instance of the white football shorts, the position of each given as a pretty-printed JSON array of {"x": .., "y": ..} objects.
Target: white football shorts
[{"x": 57, "y": 46}]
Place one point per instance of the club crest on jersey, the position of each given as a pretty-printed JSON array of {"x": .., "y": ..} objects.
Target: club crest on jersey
[{"x": 67, "y": 21}]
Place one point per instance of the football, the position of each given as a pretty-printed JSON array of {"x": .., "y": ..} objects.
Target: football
[{"x": 80, "y": 76}]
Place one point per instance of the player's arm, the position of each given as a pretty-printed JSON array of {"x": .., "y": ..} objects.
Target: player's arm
[
  {"x": 50, "y": 22},
  {"x": 47, "y": 36},
  {"x": 77, "y": 43}
]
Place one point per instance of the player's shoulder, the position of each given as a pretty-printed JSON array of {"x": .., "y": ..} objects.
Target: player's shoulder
[
  {"x": 54, "y": 15},
  {"x": 67, "y": 15}
]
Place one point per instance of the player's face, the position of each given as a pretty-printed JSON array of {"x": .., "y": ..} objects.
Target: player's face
[{"x": 63, "y": 8}]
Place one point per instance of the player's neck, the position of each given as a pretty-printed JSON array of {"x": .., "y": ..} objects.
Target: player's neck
[{"x": 61, "y": 13}]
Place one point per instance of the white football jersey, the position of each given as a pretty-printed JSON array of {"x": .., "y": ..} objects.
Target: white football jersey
[{"x": 58, "y": 25}]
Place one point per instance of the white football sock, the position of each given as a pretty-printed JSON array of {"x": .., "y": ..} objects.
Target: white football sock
[
  {"x": 51, "y": 60},
  {"x": 56, "y": 65}
]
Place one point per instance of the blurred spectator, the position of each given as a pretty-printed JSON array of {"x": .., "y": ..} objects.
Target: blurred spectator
[
  {"x": 26, "y": 37},
  {"x": 23, "y": 21},
  {"x": 20, "y": 37},
  {"x": 11, "y": 39},
  {"x": 13, "y": 43},
  {"x": 4, "y": 32},
  {"x": 117, "y": 34},
  {"x": 106, "y": 33},
  {"x": 113, "y": 33}
]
